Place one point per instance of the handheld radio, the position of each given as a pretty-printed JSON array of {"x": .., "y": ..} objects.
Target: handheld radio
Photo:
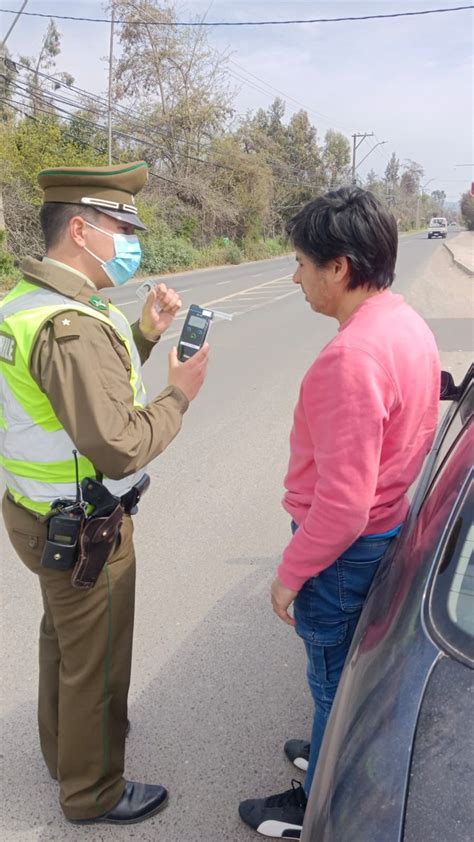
[{"x": 195, "y": 329}]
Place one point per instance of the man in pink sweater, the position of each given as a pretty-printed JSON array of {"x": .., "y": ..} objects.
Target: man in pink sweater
[{"x": 365, "y": 419}]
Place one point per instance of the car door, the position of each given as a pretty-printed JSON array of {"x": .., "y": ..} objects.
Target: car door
[
  {"x": 439, "y": 803},
  {"x": 360, "y": 787}
]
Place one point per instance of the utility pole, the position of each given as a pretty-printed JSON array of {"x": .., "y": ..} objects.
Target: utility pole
[
  {"x": 15, "y": 20},
  {"x": 355, "y": 146},
  {"x": 418, "y": 200},
  {"x": 111, "y": 60}
]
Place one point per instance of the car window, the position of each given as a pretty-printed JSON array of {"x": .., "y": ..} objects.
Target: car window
[
  {"x": 461, "y": 593},
  {"x": 452, "y": 596}
]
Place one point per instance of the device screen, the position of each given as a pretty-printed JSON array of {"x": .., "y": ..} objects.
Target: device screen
[{"x": 196, "y": 321}]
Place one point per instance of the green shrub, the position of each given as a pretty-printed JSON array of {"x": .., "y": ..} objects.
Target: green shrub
[
  {"x": 166, "y": 254},
  {"x": 218, "y": 254},
  {"x": 263, "y": 249},
  {"x": 9, "y": 273},
  {"x": 233, "y": 254},
  {"x": 211, "y": 255},
  {"x": 277, "y": 247}
]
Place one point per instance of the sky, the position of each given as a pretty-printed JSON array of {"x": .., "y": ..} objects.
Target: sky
[{"x": 408, "y": 80}]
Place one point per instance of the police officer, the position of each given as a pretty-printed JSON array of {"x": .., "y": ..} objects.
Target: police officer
[{"x": 71, "y": 381}]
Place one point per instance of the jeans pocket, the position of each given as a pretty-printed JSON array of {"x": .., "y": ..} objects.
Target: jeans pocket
[
  {"x": 355, "y": 579},
  {"x": 326, "y": 645},
  {"x": 317, "y": 632},
  {"x": 356, "y": 568}
]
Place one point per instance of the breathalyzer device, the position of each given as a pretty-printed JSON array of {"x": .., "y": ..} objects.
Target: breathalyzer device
[{"x": 195, "y": 329}]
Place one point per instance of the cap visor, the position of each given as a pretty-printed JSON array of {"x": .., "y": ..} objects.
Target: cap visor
[{"x": 123, "y": 216}]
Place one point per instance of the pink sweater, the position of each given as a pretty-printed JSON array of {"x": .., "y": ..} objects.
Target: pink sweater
[{"x": 364, "y": 422}]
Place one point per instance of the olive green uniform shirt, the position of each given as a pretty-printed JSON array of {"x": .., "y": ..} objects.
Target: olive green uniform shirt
[{"x": 84, "y": 369}]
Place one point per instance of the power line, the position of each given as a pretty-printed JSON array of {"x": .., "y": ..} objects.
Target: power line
[
  {"x": 243, "y": 23},
  {"x": 21, "y": 109},
  {"x": 41, "y": 97},
  {"x": 74, "y": 118},
  {"x": 52, "y": 96},
  {"x": 286, "y": 97},
  {"x": 138, "y": 122},
  {"x": 101, "y": 101}
]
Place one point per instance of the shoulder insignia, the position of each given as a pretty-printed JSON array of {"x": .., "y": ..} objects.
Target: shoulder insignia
[
  {"x": 98, "y": 303},
  {"x": 67, "y": 325}
]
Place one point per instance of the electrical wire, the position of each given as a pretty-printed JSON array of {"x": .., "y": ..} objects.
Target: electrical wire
[{"x": 202, "y": 23}]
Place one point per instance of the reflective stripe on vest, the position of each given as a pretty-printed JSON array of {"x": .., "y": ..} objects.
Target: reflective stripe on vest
[{"x": 30, "y": 432}]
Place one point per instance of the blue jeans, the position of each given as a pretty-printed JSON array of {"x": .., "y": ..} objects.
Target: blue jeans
[{"x": 327, "y": 610}]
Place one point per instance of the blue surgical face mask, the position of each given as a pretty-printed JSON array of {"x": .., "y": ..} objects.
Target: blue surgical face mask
[{"x": 127, "y": 258}]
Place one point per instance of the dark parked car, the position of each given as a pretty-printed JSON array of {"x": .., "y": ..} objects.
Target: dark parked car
[{"x": 397, "y": 762}]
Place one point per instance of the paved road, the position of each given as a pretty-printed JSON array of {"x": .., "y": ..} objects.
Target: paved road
[{"x": 217, "y": 680}]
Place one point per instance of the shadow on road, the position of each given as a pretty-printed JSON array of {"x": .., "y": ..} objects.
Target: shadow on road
[{"x": 210, "y": 726}]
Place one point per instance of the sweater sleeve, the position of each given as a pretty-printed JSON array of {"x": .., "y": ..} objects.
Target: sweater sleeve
[{"x": 347, "y": 398}]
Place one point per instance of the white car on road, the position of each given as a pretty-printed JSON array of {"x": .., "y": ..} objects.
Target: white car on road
[{"x": 438, "y": 227}]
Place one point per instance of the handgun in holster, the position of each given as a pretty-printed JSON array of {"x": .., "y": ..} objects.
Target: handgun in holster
[{"x": 131, "y": 499}]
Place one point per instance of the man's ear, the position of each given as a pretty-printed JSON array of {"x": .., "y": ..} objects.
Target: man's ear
[
  {"x": 76, "y": 230},
  {"x": 341, "y": 270}
]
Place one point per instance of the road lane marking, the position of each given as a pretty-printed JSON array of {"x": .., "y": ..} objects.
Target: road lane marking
[
  {"x": 236, "y": 313},
  {"x": 242, "y": 291}
]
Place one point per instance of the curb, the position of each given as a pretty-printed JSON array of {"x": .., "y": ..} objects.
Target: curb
[{"x": 465, "y": 268}]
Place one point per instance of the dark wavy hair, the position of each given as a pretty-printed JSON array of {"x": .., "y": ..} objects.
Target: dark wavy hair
[{"x": 349, "y": 222}]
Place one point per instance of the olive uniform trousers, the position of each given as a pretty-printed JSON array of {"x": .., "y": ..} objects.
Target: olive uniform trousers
[{"x": 85, "y": 653}]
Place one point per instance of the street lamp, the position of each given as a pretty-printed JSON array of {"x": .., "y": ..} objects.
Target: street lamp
[{"x": 420, "y": 195}]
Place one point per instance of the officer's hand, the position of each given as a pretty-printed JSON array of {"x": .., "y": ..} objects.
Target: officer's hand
[
  {"x": 159, "y": 310},
  {"x": 188, "y": 376}
]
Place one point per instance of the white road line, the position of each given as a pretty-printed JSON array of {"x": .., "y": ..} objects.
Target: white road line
[
  {"x": 263, "y": 288},
  {"x": 242, "y": 291},
  {"x": 221, "y": 283},
  {"x": 239, "y": 312},
  {"x": 225, "y": 297}
]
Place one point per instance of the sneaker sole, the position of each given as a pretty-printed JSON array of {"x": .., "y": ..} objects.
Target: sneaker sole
[
  {"x": 280, "y": 830},
  {"x": 300, "y": 763},
  {"x": 123, "y": 821}
]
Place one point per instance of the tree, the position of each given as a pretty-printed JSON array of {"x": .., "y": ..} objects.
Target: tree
[
  {"x": 170, "y": 78},
  {"x": 336, "y": 158},
  {"x": 438, "y": 199},
  {"x": 376, "y": 186},
  {"x": 247, "y": 188},
  {"x": 392, "y": 172},
  {"x": 26, "y": 147},
  {"x": 7, "y": 80},
  {"x": 467, "y": 210},
  {"x": 411, "y": 177},
  {"x": 38, "y": 87}
]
